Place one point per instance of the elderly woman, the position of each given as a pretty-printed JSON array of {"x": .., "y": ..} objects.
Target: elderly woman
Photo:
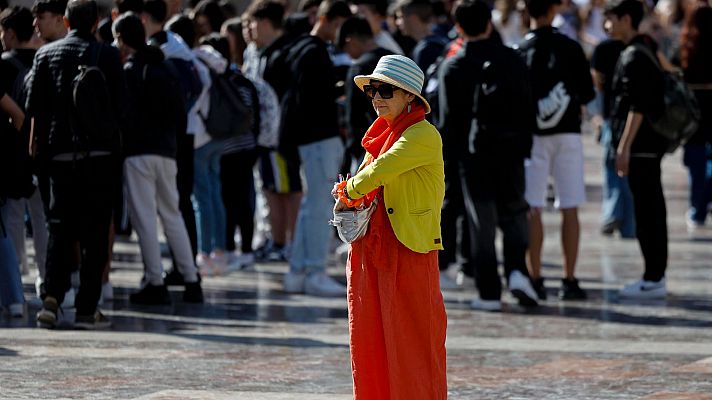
[{"x": 397, "y": 318}]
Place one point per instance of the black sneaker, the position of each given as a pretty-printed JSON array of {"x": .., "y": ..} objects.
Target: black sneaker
[
  {"x": 92, "y": 322},
  {"x": 609, "y": 228},
  {"x": 151, "y": 295},
  {"x": 47, "y": 316},
  {"x": 193, "y": 293},
  {"x": 173, "y": 278},
  {"x": 539, "y": 288},
  {"x": 570, "y": 290}
]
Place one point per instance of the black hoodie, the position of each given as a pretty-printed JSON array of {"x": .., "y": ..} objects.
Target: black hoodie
[
  {"x": 158, "y": 111},
  {"x": 561, "y": 80}
]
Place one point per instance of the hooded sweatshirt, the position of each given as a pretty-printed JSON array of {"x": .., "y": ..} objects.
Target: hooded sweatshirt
[{"x": 174, "y": 47}]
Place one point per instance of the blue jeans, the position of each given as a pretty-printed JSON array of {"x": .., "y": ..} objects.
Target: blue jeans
[
  {"x": 617, "y": 199},
  {"x": 207, "y": 194},
  {"x": 10, "y": 280},
  {"x": 320, "y": 165},
  {"x": 696, "y": 159}
]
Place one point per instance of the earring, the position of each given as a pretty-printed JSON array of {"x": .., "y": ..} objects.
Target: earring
[{"x": 409, "y": 107}]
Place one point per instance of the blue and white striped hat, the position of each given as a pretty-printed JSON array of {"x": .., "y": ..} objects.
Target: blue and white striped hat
[{"x": 399, "y": 71}]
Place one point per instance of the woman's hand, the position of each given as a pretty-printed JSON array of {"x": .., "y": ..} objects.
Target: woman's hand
[
  {"x": 340, "y": 206},
  {"x": 622, "y": 162}
]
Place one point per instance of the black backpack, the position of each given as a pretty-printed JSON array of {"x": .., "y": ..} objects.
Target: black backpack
[
  {"x": 503, "y": 109},
  {"x": 229, "y": 115},
  {"x": 680, "y": 117},
  {"x": 92, "y": 117}
]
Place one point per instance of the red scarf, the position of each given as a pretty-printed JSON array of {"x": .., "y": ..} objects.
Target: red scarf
[{"x": 379, "y": 138}]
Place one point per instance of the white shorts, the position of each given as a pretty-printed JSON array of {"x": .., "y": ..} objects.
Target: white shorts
[{"x": 561, "y": 157}]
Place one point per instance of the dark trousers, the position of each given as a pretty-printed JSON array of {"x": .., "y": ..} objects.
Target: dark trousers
[
  {"x": 493, "y": 190},
  {"x": 80, "y": 208},
  {"x": 184, "y": 178},
  {"x": 650, "y": 214},
  {"x": 238, "y": 193},
  {"x": 453, "y": 223}
]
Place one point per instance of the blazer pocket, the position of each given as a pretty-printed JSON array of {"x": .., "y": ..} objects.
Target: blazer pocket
[{"x": 421, "y": 212}]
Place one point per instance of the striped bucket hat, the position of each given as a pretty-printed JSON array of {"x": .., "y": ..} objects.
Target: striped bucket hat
[{"x": 399, "y": 71}]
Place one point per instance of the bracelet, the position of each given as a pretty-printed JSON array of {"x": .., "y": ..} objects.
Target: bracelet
[{"x": 344, "y": 196}]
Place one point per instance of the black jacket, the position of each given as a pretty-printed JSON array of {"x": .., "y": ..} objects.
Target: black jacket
[
  {"x": 158, "y": 112},
  {"x": 507, "y": 128},
  {"x": 561, "y": 80},
  {"x": 638, "y": 86},
  {"x": 49, "y": 95},
  {"x": 309, "y": 111}
]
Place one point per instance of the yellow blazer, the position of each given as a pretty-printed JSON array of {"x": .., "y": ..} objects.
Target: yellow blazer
[{"x": 412, "y": 174}]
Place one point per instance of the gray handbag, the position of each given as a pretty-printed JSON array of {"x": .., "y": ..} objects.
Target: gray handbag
[{"x": 353, "y": 224}]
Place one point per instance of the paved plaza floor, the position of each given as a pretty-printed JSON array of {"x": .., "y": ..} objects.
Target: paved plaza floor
[{"x": 252, "y": 341}]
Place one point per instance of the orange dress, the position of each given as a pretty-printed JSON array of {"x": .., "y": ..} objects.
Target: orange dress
[{"x": 397, "y": 318}]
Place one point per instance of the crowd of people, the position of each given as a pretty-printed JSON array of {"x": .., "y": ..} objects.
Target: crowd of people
[{"x": 230, "y": 127}]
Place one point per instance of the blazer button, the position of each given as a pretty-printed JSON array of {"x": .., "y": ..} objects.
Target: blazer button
[{"x": 390, "y": 211}]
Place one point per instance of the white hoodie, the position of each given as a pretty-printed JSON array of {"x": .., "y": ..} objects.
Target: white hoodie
[{"x": 175, "y": 47}]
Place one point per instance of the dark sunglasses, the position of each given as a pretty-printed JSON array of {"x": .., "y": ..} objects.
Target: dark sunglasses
[{"x": 385, "y": 90}]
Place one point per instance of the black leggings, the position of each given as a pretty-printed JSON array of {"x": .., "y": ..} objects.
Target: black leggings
[
  {"x": 238, "y": 193},
  {"x": 650, "y": 214}
]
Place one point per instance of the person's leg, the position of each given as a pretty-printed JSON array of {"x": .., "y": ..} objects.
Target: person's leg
[
  {"x": 277, "y": 218},
  {"x": 10, "y": 279},
  {"x": 171, "y": 219},
  {"x": 484, "y": 257},
  {"x": 229, "y": 172},
  {"x": 570, "y": 232},
  {"x": 141, "y": 177},
  {"x": 413, "y": 318},
  {"x": 185, "y": 178},
  {"x": 451, "y": 210},
  {"x": 202, "y": 195},
  {"x": 312, "y": 238},
  {"x": 245, "y": 200},
  {"x": 218, "y": 208},
  {"x": 612, "y": 206},
  {"x": 627, "y": 224},
  {"x": 97, "y": 195},
  {"x": 13, "y": 215},
  {"x": 651, "y": 215},
  {"x": 567, "y": 170},
  {"x": 40, "y": 236},
  {"x": 537, "y": 170},
  {"x": 695, "y": 159},
  {"x": 291, "y": 203},
  {"x": 62, "y": 226},
  {"x": 512, "y": 216},
  {"x": 369, "y": 366}
]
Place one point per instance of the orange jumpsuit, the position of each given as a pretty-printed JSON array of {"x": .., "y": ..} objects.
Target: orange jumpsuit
[{"x": 397, "y": 318}]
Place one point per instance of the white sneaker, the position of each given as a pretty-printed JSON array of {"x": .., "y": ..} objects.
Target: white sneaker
[
  {"x": 38, "y": 286},
  {"x": 294, "y": 282},
  {"x": 486, "y": 305},
  {"x": 521, "y": 287},
  {"x": 464, "y": 280},
  {"x": 236, "y": 262},
  {"x": 643, "y": 289},
  {"x": 321, "y": 284},
  {"x": 447, "y": 283},
  {"x": 69, "y": 298},
  {"x": 17, "y": 310}
]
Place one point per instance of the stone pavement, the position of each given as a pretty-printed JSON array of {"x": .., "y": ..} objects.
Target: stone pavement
[{"x": 252, "y": 341}]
